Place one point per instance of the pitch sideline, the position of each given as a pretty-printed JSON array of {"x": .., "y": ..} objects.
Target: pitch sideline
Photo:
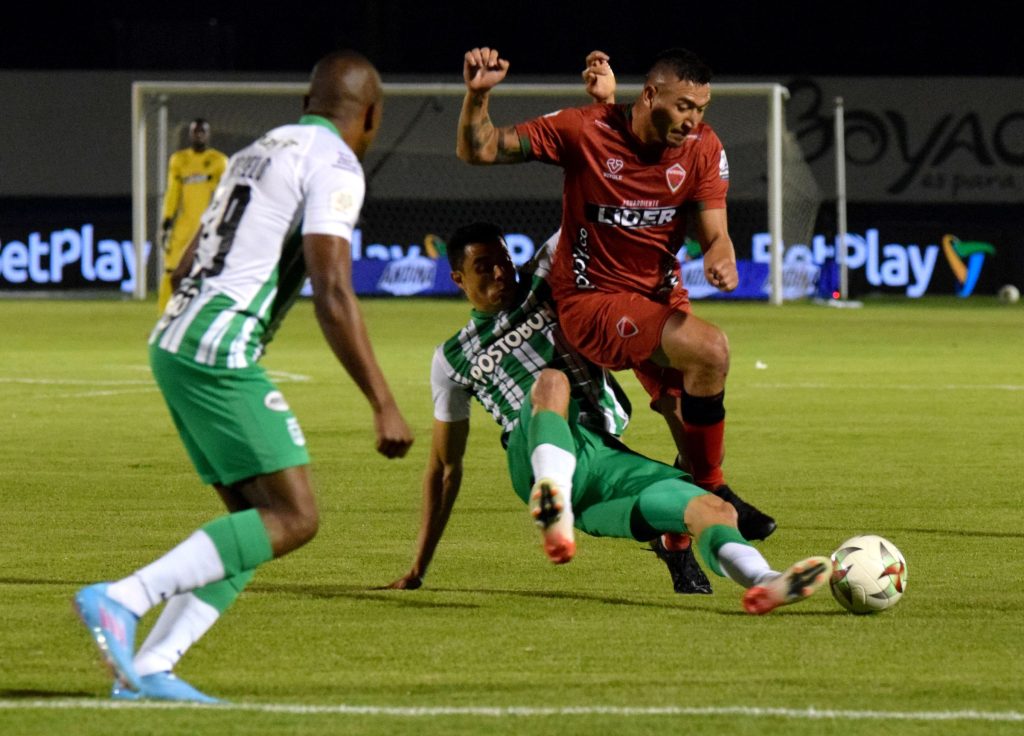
[{"x": 524, "y": 711}]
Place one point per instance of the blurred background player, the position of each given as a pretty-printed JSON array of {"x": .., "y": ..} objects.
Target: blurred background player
[
  {"x": 633, "y": 175},
  {"x": 559, "y": 418},
  {"x": 192, "y": 176},
  {"x": 288, "y": 207}
]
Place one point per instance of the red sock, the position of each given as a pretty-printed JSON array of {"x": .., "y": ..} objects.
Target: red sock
[
  {"x": 705, "y": 448},
  {"x": 676, "y": 542}
]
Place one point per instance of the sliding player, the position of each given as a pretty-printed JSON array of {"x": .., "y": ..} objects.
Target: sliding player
[{"x": 558, "y": 419}]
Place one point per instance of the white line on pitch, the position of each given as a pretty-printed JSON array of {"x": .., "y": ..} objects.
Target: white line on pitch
[
  {"x": 76, "y": 382},
  {"x": 285, "y": 377},
  {"x": 107, "y": 392},
  {"x": 279, "y": 376},
  {"x": 526, "y": 712},
  {"x": 892, "y": 386}
]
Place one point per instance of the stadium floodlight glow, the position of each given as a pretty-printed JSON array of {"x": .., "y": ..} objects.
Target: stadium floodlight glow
[{"x": 414, "y": 161}]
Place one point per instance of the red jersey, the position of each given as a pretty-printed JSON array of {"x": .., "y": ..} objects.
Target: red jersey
[{"x": 623, "y": 209}]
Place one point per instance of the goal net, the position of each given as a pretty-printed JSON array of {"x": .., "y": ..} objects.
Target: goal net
[{"x": 418, "y": 191}]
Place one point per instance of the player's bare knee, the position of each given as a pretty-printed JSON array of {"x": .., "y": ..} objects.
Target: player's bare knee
[
  {"x": 723, "y": 510},
  {"x": 715, "y": 351},
  {"x": 709, "y": 510},
  {"x": 550, "y": 391},
  {"x": 551, "y": 380}
]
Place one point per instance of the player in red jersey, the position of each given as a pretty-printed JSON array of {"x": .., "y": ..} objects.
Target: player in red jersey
[{"x": 635, "y": 177}]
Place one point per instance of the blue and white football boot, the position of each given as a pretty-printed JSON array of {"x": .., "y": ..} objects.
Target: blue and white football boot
[
  {"x": 162, "y": 686},
  {"x": 112, "y": 628}
]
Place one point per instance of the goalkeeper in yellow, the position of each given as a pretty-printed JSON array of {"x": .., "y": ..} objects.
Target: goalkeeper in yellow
[{"x": 192, "y": 176}]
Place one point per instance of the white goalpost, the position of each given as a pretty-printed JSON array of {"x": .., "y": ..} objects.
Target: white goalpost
[{"x": 413, "y": 169}]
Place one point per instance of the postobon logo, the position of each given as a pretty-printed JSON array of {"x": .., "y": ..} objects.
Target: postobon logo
[{"x": 487, "y": 361}]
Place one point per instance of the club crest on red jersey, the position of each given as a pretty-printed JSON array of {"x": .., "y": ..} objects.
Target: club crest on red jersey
[
  {"x": 675, "y": 175},
  {"x": 626, "y": 327}
]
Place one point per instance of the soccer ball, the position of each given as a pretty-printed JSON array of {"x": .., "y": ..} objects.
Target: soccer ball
[
  {"x": 1009, "y": 294},
  {"x": 869, "y": 574}
]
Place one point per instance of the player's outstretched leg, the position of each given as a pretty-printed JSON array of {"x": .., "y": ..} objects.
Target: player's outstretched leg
[
  {"x": 112, "y": 627},
  {"x": 728, "y": 553},
  {"x": 800, "y": 581},
  {"x": 552, "y": 512}
]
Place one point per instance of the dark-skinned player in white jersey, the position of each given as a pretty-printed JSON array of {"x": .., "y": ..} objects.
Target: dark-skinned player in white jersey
[
  {"x": 286, "y": 207},
  {"x": 559, "y": 421},
  {"x": 634, "y": 174}
]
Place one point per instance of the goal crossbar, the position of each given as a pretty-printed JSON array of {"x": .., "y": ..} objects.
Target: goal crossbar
[{"x": 147, "y": 93}]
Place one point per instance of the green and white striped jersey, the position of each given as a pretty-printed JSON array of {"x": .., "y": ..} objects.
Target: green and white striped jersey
[
  {"x": 497, "y": 357},
  {"x": 249, "y": 266}
]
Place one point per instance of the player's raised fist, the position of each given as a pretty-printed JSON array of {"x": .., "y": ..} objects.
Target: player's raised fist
[
  {"x": 599, "y": 77},
  {"x": 482, "y": 69}
]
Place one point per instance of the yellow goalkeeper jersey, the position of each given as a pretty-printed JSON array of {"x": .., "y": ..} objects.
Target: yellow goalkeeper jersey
[{"x": 191, "y": 179}]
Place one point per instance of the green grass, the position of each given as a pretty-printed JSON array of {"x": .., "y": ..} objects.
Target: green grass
[{"x": 902, "y": 419}]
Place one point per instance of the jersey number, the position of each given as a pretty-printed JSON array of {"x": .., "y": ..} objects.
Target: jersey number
[{"x": 238, "y": 200}]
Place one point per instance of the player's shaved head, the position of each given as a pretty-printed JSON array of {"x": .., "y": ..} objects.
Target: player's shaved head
[
  {"x": 343, "y": 83},
  {"x": 345, "y": 88},
  {"x": 680, "y": 64}
]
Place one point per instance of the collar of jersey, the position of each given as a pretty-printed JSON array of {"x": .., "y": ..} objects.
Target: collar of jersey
[
  {"x": 479, "y": 316},
  {"x": 321, "y": 121}
]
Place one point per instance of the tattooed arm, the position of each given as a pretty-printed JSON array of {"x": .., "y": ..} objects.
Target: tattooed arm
[{"x": 479, "y": 142}]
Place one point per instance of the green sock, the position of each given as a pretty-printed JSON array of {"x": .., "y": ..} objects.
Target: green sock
[
  {"x": 241, "y": 541},
  {"x": 223, "y": 593},
  {"x": 712, "y": 539}
]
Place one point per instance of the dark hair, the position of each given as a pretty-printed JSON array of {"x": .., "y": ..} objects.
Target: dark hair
[
  {"x": 683, "y": 63},
  {"x": 467, "y": 235}
]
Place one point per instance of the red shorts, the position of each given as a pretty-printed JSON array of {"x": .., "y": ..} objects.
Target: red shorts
[{"x": 623, "y": 330}]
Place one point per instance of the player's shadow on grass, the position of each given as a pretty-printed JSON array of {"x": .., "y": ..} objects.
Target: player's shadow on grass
[
  {"x": 15, "y": 694},
  {"x": 918, "y": 530},
  {"x": 797, "y": 611},
  {"x": 565, "y": 595},
  {"x": 354, "y": 592},
  {"x": 420, "y": 599},
  {"x": 40, "y": 581}
]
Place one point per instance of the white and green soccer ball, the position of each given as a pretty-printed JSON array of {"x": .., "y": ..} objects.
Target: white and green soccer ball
[{"x": 869, "y": 574}]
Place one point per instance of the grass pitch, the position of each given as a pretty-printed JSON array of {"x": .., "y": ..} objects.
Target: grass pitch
[{"x": 903, "y": 419}]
